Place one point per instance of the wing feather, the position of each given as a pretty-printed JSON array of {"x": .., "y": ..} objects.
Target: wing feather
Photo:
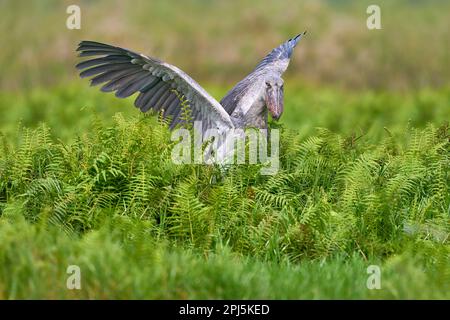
[
  {"x": 162, "y": 100},
  {"x": 109, "y": 76},
  {"x": 132, "y": 85},
  {"x": 103, "y": 60},
  {"x": 128, "y": 72},
  {"x": 148, "y": 95},
  {"x": 120, "y": 82}
]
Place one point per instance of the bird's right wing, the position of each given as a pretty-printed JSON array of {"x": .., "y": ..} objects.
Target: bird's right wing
[
  {"x": 276, "y": 61},
  {"x": 160, "y": 85}
]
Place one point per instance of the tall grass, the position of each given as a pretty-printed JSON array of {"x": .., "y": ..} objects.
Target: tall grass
[
  {"x": 112, "y": 201},
  {"x": 364, "y": 175},
  {"x": 122, "y": 261}
]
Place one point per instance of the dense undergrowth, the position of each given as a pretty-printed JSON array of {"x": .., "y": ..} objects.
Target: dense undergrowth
[
  {"x": 364, "y": 179},
  {"x": 111, "y": 200}
]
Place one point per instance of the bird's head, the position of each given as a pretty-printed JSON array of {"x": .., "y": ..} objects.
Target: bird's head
[{"x": 274, "y": 95}]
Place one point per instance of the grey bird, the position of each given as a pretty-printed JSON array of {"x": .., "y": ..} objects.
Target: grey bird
[{"x": 160, "y": 86}]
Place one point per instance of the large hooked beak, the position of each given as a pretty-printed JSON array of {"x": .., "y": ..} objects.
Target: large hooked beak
[{"x": 274, "y": 101}]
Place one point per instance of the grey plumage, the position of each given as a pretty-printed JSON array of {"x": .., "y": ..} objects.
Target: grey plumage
[
  {"x": 162, "y": 100},
  {"x": 107, "y": 59},
  {"x": 174, "y": 104},
  {"x": 247, "y": 104},
  {"x": 275, "y": 63},
  {"x": 122, "y": 81},
  {"x": 134, "y": 84}
]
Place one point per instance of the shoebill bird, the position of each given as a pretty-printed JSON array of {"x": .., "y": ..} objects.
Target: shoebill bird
[
  {"x": 246, "y": 105},
  {"x": 159, "y": 86}
]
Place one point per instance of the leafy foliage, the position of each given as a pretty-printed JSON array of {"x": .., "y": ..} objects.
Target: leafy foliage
[
  {"x": 112, "y": 196},
  {"x": 334, "y": 198}
]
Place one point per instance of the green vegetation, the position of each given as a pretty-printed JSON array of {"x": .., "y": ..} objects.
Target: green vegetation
[
  {"x": 105, "y": 195},
  {"x": 87, "y": 180},
  {"x": 221, "y": 41}
]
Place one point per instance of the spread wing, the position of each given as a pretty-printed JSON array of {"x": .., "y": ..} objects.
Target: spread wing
[
  {"x": 276, "y": 61},
  {"x": 159, "y": 84}
]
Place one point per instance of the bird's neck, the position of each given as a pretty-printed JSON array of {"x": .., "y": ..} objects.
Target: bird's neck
[
  {"x": 257, "y": 121},
  {"x": 255, "y": 116}
]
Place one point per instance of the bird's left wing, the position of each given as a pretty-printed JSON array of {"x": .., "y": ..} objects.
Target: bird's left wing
[{"x": 159, "y": 84}]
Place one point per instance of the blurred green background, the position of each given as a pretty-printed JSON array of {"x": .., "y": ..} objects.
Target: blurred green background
[
  {"x": 382, "y": 95},
  {"x": 220, "y": 41}
]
